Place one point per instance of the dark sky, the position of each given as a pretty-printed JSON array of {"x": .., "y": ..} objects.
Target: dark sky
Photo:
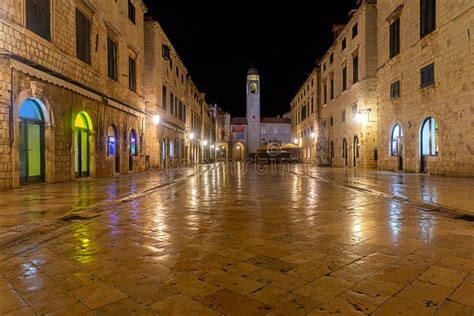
[{"x": 219, "y": 40}]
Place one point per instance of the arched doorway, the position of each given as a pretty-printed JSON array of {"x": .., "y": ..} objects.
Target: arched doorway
[
  {"x": 112, "y": 146},
  {"x": 32, "y": 161},
  {"x": 82, "y": 129},
  {"x": 238, "y": 152},
  {"x": 428, "y": 142},
  {"x": 331, "y": 154},
  {"x": 344, "y": 151},
  {"x": 163, "y": 152},
  {"x": 133, "y": 149},
  {"x": 356, "y": 150},
  {"x": 396, "y": 145}
]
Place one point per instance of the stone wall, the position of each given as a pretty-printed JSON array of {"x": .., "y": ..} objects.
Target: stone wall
[
  {"x": 105, "y": 100},
  {"x": 302, "y": 129},
  {"x": 5, "y": 134},
  {"x": 358, "y": 97},
  {"x": 449, "y": 100}
]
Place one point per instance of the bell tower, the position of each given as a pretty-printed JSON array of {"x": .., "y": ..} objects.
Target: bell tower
[{"x": 253, "y": 110}]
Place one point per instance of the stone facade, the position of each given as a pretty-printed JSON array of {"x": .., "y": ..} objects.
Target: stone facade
[
  {"x": 253, "y": 111},
  {"x": 171, "y": 95},
  {"x": 48, "y": 71},
  {"x": 93, "y": 116},
  {"x": 448, "y": 100},
  {"x": 305, "y": 117},
  {"x": 275, "y": 130},
  {"x": 223, "y": 132},
  {"x": 410, "y": 108},
  {"x": 348, "y": 90},
  {"x": 249, "y": 133}
]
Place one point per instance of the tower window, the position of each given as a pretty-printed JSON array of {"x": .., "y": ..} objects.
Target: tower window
[{"x": 253, "y": 88}]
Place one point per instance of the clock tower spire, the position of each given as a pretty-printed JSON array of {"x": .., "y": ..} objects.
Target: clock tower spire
[{"x": 253, "y": 110}]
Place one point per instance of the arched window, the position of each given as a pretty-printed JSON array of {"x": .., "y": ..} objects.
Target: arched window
[
  {"x": 356, "y": 147},
  {"x": 163, "y": 149},
  {"x": 332, "y": 149},
  {"x": 30, "y": 110},
  {"x": 133, "y": 143},
  {"x": 171, "y": 151},
  {"x": 429, "y": 137},
  {"x": 344, "y": 148},
  {"x": 395, "y": 139},
  {"x": 82, "y": 121},
  {"x": 111, "y": 140}
]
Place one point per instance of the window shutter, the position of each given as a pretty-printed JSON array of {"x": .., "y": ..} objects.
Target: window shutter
[
  {"x": 44, "y": 19},
  {"x": 38, "y": 17},
  {"x": 87, "y": 39},
  {"x": 422, "y": 17}
]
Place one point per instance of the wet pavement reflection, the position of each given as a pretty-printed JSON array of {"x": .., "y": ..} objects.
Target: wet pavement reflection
[
  {"x": 238, "y": 242},
  {"x": 38, "y": 204},
  {"x": 451, "y": 192}
]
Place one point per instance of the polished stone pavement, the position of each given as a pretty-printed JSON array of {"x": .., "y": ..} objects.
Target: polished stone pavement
[
  {"x": 39, "y": 205},
  {"x": 241, "y": 242}
]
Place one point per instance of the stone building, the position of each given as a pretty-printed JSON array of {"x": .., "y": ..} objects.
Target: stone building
[
  {"x": 305, "y": 117},
  {"x": 253, "y": 111},
  {"x": 347, "y": 135},
  {"x": 222, "y": 120},
  {"x": 426, "y": 86},
  {"x": 208, "y": 134},
  {"x": 275, "y": 130},
  {"x": 171, "y": 95},
  {"x": 71, "y": 90},
  {"x": 249, "y": 133}
]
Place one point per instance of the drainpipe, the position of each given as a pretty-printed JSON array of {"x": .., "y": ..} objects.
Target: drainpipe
[{"x": 10, "y": 116}]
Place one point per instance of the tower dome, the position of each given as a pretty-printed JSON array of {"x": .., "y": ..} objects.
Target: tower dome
[{"x": 252, "y": 71}]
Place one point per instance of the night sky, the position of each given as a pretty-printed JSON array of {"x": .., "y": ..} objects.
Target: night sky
[{"x": 219, "y": 40}]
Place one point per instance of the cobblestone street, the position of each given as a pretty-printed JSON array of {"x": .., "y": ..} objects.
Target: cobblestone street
[{"x": 231, "y": 242}]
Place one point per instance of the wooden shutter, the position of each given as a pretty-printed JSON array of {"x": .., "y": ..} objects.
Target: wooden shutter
[
  {"x": 83, "y": 30},
  {"x": 38, "y": 18}
]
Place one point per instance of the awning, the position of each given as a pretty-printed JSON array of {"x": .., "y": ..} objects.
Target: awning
[{"x": 52, "y": 79}]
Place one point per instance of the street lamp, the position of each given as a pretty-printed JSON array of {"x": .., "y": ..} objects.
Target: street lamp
[
  {"x": 295, "y": 141},
  {"x": 313, "y": 135},
  {"x": 212, "y": 145},
  {"x": 363, "y": 116},
  {"x": 205, "y": 142},
  {"x": 359, "y": 118},
  {"x": 191, "y": 136},
  {"x": 156, "y": 120}
]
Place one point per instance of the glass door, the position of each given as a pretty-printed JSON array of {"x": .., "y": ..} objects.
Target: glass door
[
  {"x": 81, "y": 144},
  {"x": 31, "y": 152}
]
